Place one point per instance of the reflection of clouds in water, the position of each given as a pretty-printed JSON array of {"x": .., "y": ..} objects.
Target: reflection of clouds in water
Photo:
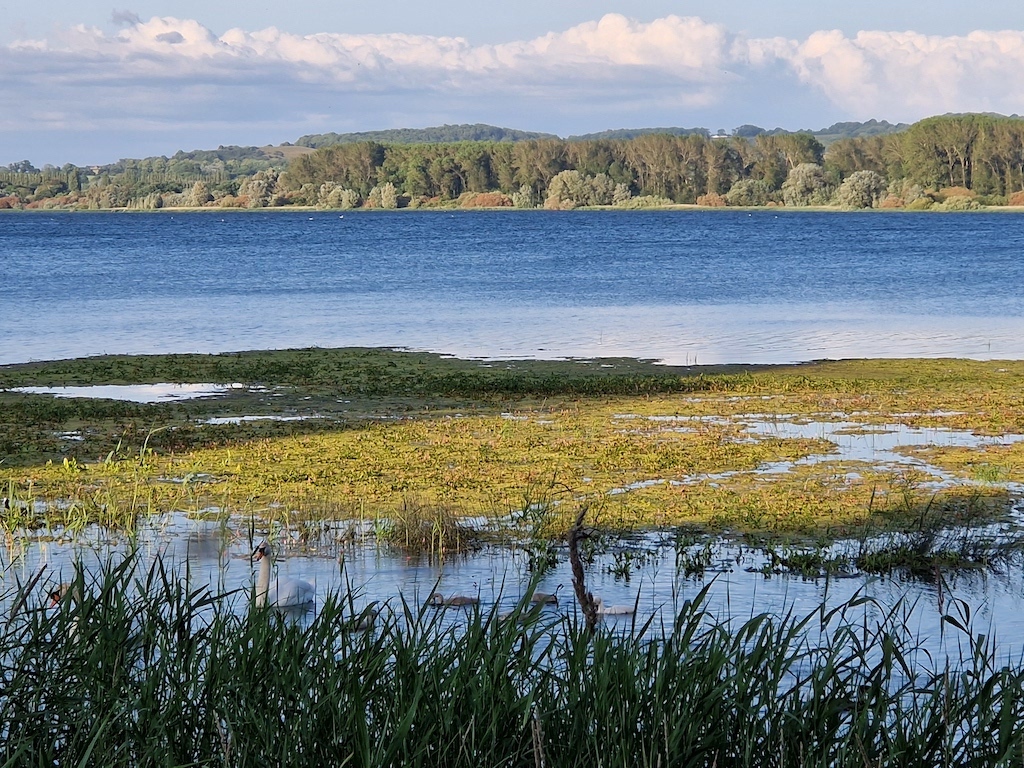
[
  {"x": 713, "y": 335},
  {"x": 675, "y": 335}
]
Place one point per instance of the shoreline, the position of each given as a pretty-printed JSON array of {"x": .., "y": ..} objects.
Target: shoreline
[
  {"x": 611, "y": 364},
  {"x": 680, "y": 207}
]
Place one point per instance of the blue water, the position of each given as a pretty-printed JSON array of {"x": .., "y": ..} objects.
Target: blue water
[
  {"x": 684, "y": 287},
  {"x": 218, "y": 556}
]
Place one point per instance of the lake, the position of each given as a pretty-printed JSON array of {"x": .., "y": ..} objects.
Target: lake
[
  {"x": 646, "y": 570},
  {"x": 685, "y": 287}
]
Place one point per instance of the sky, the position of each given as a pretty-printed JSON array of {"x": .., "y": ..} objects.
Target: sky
[{"x": 86, "y": 82}]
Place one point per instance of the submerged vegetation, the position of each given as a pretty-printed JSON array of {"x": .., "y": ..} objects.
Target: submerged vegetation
[
  {"x": 418, "y": 444},
  {"x": 141, "y": 668}
]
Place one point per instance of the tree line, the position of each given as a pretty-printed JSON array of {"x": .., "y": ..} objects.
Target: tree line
[
  {"x": 955, "y": 161},
  {"x": 979, "y": 154}
]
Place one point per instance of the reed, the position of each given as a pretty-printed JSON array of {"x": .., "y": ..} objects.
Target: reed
[
  {"x": 422, "y": 529},
  {"x": 142, "y": 668}
]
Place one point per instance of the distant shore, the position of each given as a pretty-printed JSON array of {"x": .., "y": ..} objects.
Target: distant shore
[{"x": 688, "y": 207}]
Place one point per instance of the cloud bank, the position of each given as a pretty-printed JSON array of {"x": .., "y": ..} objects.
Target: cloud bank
[{"x": 174, "y": 75}]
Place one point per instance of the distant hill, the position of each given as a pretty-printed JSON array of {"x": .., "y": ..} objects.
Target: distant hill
[
  {"x": 221, "y": 153},
  {"x": 225, "y": 161},
  {"x": 858, "y": 130},
  {"x": 479, "y": 132},
  {"x": 286, "y": 152},
  {"x": 850, "y": 130},
  {"x": 233, "y": 161},
  {"x": 632, "y": 133},
  {"x": 442, "y": 134},
  {"x": 835, "y": 132}
]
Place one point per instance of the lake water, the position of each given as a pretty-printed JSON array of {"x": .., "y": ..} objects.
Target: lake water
[
  {"x": 657, "y": 584},
  {"x": 684, "y": 286}
]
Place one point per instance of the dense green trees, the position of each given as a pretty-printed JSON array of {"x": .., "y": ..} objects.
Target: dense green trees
[
  {"x": 353, "y": 166},
  {"x": 980, "y": 154},
  {"x": 805, "y": 185},
  {"x": 747, "y": 192},
  {"x": 572, "y": 189},
  {"x": 977, "y": 152}
]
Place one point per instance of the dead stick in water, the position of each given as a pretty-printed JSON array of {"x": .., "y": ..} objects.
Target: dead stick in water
[{"x": 579, "y": 583}]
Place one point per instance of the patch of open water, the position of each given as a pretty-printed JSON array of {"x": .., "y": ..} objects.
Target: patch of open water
[
  {"x": 135, "y": 393},
  {"x": 693, "y": 287},
  {"x": 241, "y": 419},
  {"x": 883, "y": 446},
  {"x": 649, "y": 571}
]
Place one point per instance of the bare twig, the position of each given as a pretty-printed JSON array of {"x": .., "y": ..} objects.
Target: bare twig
[
  {"x": 538, "y": 742},
  {"x": 579, "y": 583}
]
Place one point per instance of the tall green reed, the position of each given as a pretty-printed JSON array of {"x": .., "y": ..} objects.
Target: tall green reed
[{"x": 138, "y": 667}]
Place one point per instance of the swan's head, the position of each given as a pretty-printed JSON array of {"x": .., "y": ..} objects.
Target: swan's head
[
  {"x": 58, "y": 594},
  {"x": 263, "y": 549}
]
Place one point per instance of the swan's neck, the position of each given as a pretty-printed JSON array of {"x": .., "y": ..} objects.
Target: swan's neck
[{"x": 263, "y": 582}]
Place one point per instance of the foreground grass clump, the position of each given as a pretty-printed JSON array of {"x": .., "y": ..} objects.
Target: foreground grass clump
[{"x": 141, "y": 669}]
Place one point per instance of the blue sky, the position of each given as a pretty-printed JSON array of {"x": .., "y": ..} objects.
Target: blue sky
[{"x": 87, "y": 82}]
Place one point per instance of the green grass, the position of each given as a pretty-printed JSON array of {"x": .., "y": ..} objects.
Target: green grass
[
  {"x": 419, "y": 529},
  {"x": 143, "y": 669},
  {"x": 345, "y": 386}
]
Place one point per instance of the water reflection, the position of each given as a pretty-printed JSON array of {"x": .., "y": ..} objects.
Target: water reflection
[
  {"x": 654, "y": 577},
  {"x": 135, "y": 393}
]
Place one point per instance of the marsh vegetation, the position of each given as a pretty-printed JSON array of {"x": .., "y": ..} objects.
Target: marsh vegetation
[
  {"x": 397, "y": 435},
  {"x": 137, "y": 667},
  {"x": 695, "y": 470}
]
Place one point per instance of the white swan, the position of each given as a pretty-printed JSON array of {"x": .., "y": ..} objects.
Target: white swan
[
  {"x": 290, "y": 593},
  {"x": 69, "y": 592},
  {"x": 455, "y": 601},
  {"x": 614, "y": 610}
]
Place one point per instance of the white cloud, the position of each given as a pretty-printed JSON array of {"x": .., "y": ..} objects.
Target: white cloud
[
  {"x": 168, "y": 72},
  {"x": 686, "y": 49},
  {"x": 885, "y": 72}
]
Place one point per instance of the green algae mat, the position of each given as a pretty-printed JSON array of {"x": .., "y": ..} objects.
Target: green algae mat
[{"x": 307, "y": 436}]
